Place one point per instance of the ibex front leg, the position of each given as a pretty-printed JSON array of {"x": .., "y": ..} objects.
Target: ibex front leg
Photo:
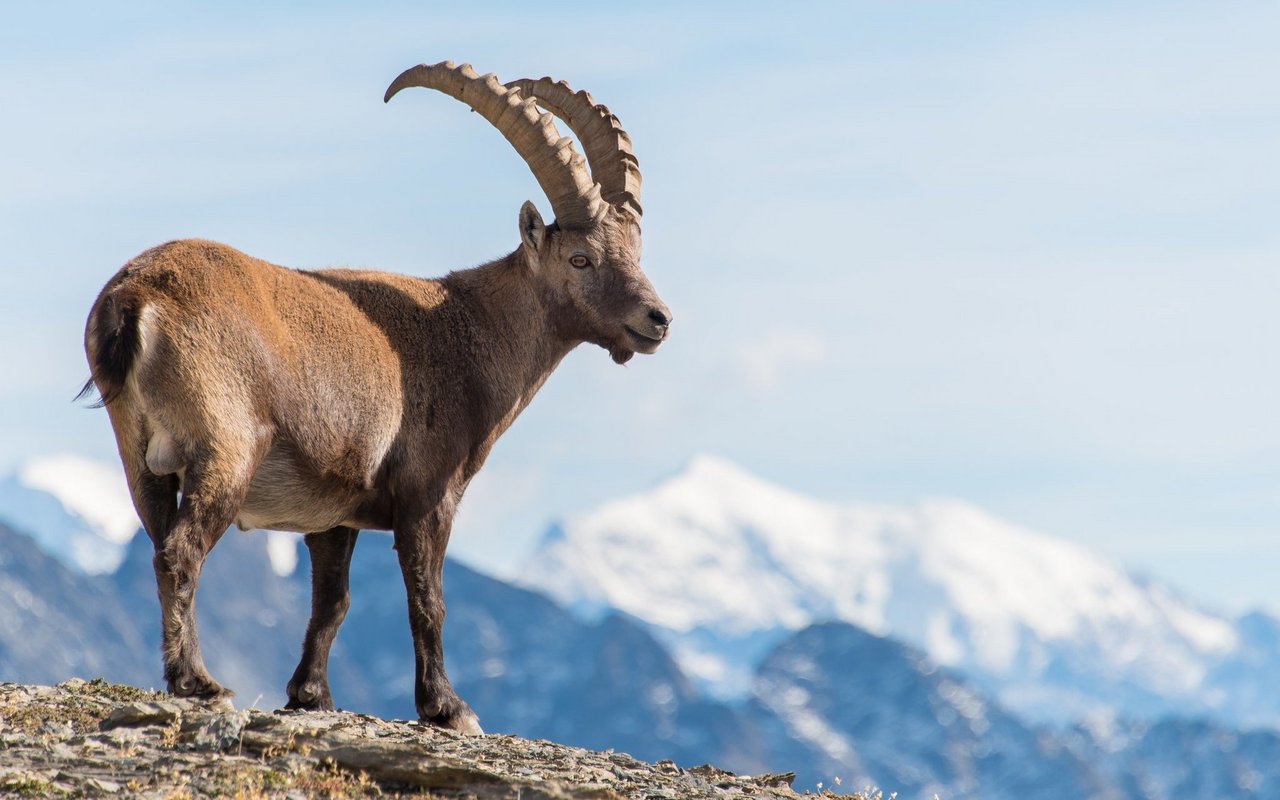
[
  {"x": 420, "y": 543},
  {"x": 330, "y": 598}
]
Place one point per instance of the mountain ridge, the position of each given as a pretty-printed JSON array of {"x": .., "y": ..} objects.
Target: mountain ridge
[
  {"x": 722, "y": 565},
  {"x": 830, "y": 701}
]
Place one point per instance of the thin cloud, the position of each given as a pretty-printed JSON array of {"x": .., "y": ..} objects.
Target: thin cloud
[{"x": 762, "y": 364}]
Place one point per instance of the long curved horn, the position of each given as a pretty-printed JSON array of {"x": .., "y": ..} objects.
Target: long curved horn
[
  {"x": 607, "y": 145},
  {"x": 560, "y": 170}
]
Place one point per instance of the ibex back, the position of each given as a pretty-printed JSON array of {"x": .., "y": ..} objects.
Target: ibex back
[{"x": 334, "y": 400}]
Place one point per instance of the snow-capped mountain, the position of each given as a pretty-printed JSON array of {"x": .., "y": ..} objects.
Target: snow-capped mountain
[
  {"x": 723, "y": 564},
  {"x": 75, "y": 509},
  {"x": 79, "y": 511},
  {"x": 826, "y": 700}
]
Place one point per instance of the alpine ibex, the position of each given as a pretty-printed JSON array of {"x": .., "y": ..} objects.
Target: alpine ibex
[{"x": 333, "y": 400}]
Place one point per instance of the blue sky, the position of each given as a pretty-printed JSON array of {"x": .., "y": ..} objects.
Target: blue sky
[{"x": 1024, "y": 254}]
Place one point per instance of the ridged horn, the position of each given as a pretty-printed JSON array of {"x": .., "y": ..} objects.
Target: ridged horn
[
  {"x": 559, "y": 169},
  {"x": 607, "y": 145}
]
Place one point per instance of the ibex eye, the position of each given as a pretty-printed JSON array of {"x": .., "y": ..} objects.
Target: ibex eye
[{"x": 579, "y": 260}]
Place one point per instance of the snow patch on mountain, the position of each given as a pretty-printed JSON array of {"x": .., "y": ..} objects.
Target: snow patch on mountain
[
  {"x": 282, "y": 551},
  {"x": 715, "y": 557},
  {"x": 76, "y": 509},
  {"x": 79, "y": 511}
]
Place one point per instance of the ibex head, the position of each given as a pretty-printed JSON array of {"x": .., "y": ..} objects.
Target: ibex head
[{"x": 587, "y": 262}]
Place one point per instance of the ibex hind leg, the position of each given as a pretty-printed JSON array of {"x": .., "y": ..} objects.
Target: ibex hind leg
[
  {"x": 154, "y": 496},
  {"x": 330, "y": 553},
  {"x": 213, "y": 489}
]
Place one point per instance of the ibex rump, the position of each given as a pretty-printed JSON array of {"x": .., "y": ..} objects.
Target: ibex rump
[{"x": 333, "y": 400}]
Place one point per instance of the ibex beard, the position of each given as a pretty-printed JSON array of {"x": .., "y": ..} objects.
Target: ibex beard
[{"x": 331, "y": 401}]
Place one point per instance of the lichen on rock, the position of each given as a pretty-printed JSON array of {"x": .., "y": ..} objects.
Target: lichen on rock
[{"x": 93, "y": 739}]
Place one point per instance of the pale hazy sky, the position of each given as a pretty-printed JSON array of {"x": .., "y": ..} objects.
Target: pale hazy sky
[{"x": 1020, "y": 253}]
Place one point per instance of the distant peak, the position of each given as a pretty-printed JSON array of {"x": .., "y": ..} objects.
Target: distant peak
[
  {"x": 95, "y": 490},
  {"x": 711, "y": 476},
  {"x": 718, "y": 470}
]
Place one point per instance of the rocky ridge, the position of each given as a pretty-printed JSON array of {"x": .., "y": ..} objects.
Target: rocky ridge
[{"x": 95, "y": 739}]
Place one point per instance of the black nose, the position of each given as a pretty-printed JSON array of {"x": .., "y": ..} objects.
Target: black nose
[{"x": 660, "y": 316}]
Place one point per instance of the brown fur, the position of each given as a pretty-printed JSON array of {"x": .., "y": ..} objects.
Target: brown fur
[{"x": 333, "y": 400}]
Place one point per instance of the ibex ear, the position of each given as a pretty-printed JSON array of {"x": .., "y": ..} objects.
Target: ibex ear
[{"x": 533, "y": 232}]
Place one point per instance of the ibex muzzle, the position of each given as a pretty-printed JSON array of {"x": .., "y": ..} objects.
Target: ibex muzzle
[{"x": 331, "y": 401}]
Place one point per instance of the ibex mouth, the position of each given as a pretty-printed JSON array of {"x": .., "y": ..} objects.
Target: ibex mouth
[
  {"x": 632, "y": 342},
  {"x": 644, "y": 337},
  {"x": 639, "y": 342}
]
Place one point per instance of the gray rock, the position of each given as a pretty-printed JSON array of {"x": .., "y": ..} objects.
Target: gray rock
[
  {"x": 216, "y": 732},
  {"x": 161, "y": 712},
  {"x": 158, "y": 748}
]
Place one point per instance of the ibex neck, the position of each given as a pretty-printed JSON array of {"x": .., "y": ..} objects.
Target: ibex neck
[{"x": 516, "y": 337}]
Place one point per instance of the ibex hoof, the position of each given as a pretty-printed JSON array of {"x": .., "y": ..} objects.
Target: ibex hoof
[
  {"x": 196, "y": 687},
  {"x": 309, "y": 697},
  {"x": 463, "y": 721},
  {"x": 468, "y": 724}
]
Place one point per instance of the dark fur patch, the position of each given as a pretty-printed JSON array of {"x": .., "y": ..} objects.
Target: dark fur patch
[{"x": 115, "y": 328}]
